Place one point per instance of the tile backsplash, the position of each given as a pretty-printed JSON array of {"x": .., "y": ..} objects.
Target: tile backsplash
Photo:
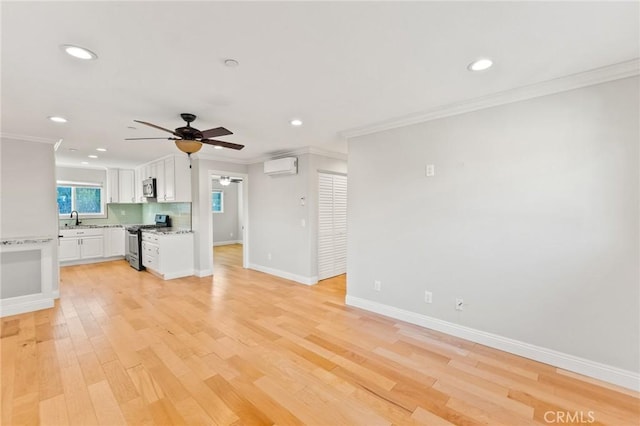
[
  {"x": 180, "y": 213},
  {"x": 126, "y": 214}
]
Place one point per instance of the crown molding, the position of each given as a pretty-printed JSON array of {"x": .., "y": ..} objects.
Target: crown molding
[
  {"x": 562, "y": 84},
  {"x": 274, "y": 155},
  {"x": 28, "y": 138}
]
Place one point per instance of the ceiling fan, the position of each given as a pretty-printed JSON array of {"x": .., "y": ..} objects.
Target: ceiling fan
[
  {"x": 189, "y": 139},
  {"x": 226, "y": 180}
]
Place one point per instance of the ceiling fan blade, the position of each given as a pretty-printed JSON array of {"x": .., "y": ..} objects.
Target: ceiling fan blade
[
  {"x": 156, "y": 127},
  {"x": 222, "y": 144},
  {"x": 139, "y": 139},
  {"x": 214, "y": 133}
]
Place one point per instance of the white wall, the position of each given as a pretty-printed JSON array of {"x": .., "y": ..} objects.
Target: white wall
[
  {"x": 225, "y": 224},
  {"x": 532, "y": 218},
  {"x": 276, "y": 216},
  {"x": 28, "y": 206},
  {"x": 275, "y": 221}
]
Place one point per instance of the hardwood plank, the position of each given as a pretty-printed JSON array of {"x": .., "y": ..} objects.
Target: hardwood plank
[
  {"x": 107, "y": 409},
  {"x": 243, "y": 347}
]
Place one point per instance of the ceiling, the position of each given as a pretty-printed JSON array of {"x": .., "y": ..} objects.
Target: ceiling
[{"x": 335, "y": 65}]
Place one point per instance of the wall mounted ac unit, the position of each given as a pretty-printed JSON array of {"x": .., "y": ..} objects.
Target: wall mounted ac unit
[{"x": 281, "y": 166}]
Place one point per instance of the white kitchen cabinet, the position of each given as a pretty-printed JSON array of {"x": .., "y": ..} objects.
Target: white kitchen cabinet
[
  {"x": 173, "y": 179},
  {"x": 126, "y": 188},
  {"x": 114, "y": 242},
  {"x": 120, "y": 186},
  {"x": 68, "y": 249},
  {"x": 168, "y": 255},
  {"x": 89, "y": 244},
  {"x": 168, "y": 167},
  {"x": 112, "y": 186},
  {"x": 140, "y": 175}
]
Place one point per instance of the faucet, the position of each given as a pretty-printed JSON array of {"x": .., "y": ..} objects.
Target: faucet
[{"x": 77, "y": 218}]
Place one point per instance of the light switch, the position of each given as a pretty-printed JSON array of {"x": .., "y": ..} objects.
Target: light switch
[
  {"x": 303, "y": 223},
  {"x": 430, "y": 170}
]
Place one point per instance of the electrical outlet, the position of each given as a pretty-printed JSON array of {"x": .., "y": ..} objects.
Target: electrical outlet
[
  {"x": 459, "y": 304},
  {"x": 231, "y": 234},
  {"x": 269, "y": 256},
  {"x": 377, "y": 285},
  {"x": 428, "y": 297}
]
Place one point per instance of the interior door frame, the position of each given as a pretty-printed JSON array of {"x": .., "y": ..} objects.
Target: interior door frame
[{"x": 245, "y": 213}]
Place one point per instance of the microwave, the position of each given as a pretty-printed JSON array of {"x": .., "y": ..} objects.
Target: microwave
[{"x": 149, "y": 188}]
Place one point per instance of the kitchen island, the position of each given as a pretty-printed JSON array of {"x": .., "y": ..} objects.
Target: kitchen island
[{"x": 168, "y": 252}]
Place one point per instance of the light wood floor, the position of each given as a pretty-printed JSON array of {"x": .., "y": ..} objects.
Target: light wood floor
[{"x": 122, "y": 346}]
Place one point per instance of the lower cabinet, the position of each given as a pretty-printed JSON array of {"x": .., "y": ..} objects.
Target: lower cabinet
[
  {"x": 76, "y": 244},
  {"x": 168, "y": 255},
  {"x": 114, "y": 242},
  {"x": 93, "y": 244}
]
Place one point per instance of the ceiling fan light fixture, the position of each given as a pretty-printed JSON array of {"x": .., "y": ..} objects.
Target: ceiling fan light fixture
[
  {"x": 188, "y": 147},
  {"x": 225, "y": 180},
  {"x": 79, "y": 52}
]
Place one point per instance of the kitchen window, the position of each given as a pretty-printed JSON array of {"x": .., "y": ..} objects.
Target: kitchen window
[
  {"x": 217, "y": 201},
  {"x": 86, "y": 198}
]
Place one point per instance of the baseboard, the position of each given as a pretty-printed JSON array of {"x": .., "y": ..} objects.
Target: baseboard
[
  {"x": 286, "y": 275},
  {"x": 56, "y": 294},
  {"x": 91, "y": 260},
  {"x": 226, "y": 243},
  {"x": 180, "y": 274},
  {"x": 607, "y": 373},
  {"x": 7, "y": 309},
  {"x": 201, "y": 273}
]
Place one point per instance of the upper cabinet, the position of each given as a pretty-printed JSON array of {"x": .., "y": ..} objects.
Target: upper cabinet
[
  {"x": 173, "y": 179},
  {"x": 120, "y": 186}
]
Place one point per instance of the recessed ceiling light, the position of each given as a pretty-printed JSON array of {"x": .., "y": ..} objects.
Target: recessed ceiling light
[
  {"x": 84, "y": 162},
  {"x": 92, "y": 156},
  {"x": 101, "y": 149},
  {"x": 480, "y": 65},
  {"x": 296, "y": 122},
  {"x": 79, "y": 52},
  {"x": 231, "y": 63},
  {"x": 58, "y": 119},
  {"x": 72, "y": 149},
  {"x": 217, "y": 147}
]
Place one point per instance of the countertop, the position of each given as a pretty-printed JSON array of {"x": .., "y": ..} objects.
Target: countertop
[
  {"x": 168, "y": 231},
  {"x": 62, "y": 228}
]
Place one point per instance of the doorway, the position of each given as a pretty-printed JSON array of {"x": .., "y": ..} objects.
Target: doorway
[
  {"x": 332, "y": 225},
  {"x": 228, "y": 216}
]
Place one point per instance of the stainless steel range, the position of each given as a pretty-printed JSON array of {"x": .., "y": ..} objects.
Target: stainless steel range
[{"x": 135, "y": 239}]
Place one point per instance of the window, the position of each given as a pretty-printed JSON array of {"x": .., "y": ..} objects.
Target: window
[
  {"x": 86, "y": 199},
  {"x": 217, "y": 201}
]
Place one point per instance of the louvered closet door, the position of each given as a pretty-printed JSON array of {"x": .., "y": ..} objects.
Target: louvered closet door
[{"x": 332, "y": 225}]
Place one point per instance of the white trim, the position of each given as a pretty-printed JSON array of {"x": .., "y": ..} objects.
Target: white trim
[
  {"x": 575, "y": 81},
  {"x": 201, "y": 273},
  {"x": 55, "y": 294},
  {"x": 15, "y": 306},
  {"x": 179, "y": 274},
  {"x": 28, "y": 138},
  {"x": 617, "y": 376},
  {"x": 286, "y": 275},
  {"x": 226, "y": 243},
  {"x": 279, "y": 154},
  {"x": 90, "y": 260}
]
